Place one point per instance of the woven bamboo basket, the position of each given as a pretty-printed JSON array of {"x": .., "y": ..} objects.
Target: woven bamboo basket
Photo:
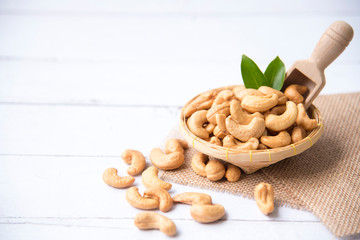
[{"x": 252, "y": 160}]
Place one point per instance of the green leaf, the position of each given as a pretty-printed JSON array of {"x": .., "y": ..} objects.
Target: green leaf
[
  {"x": 275, "y": 73},
  {"x": 251, "y": 74}
]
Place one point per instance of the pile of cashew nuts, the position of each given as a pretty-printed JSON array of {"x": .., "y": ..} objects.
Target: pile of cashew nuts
[{"x": 249, "y": 119}]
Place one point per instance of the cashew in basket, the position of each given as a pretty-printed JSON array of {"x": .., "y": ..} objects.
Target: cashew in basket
[
  {"x": 237, "y": 89},
  {"x": 215, "y": 140},
  {"x": 264, "y": 197},
  {"x": 259, "y": 103},
  {"x": 195, "y": 123},
  {"x": 150, "y": 179},
  {"x": 220, "y": 129},
  {"x": 239, "y": 115},
  {"x": 240, "y": 94},
  {"x": 230, "y": 142},
  {"x": 111, "y": 178},
  {"x": 136, "y": 159},
  {"x": 280, "y": 140},
  {"x": 244, "y": 132},
  {"x": 232, "y": 173},
  {"x": 298, "y": 133},
  {"x": 162, "y": 196},
  {"x": 282, "y": 99},
  {"x": 214, "y": 170},
  {"x": 207, "y": 213},
  {"x": 223, "y": 108},
  {"x": 198, "y": 163},
  {"x": 294, "y": 93},
  {"x": 283, "y": 121},
  {"x": 210, "y": 127},
  {"x": 303, "y": 119},
  {"x": 136, "y": 200},
  {"x": 153, "y": 220},
  {"x": 203, "y": 101},
  {"x": 166, "y": 161},
  {"x": 193, "y": 198},
  {"x": 278, "y": 110},
  {"x": 261, "y": 147},
  {"x": 175, "y": 145}
]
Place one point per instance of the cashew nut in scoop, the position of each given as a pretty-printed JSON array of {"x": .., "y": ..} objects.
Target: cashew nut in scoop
[
  {"x": 214, "y": 170},
  {"x": 203, "y": 101},
  {"x": 230, "y": 142},
  {"x": 136, "y": 159},
  {"x": 240, "y": 94},
  {"x": 281, "y": 122},
  {"x": 294, "y": 93},
  {"x": 282, "y": 99},
  {"x": 303, "y": 119},
  {"x": 153, "y": 220},
  {"x": 136, "y": 200},
  {"x": 264, "y": 197},
  {"x": 280, "y": 140},
  {"x": 244, "y": 132},
  {"x": 150, "y": 179},
  {"x": 162, "y": 196},
  {"x": 207, "y": 213},
  {"x": 259, "y": 103},
  {"x": 166, "y": 161},
  {"x": 198, "y": 163},
  {"x": 239, "y": 115},
  {"x": 175, "y": 145},
  {"x": 232, "y": 173},
  {"x": 111, "y": 178},
  {"x": 195, "y": 124},
  {"x": 298, "y": 134},
  {"x": 193, "y": 198}
]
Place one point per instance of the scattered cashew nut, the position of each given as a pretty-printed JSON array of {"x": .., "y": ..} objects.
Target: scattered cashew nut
[
  {"x": 175, "y": 145},
  {"x": 136, "y": 159},
  {"x": 166, "y": 161},
  {"x": 198, "y": 163},
  {"x": 111, "y": 178},
  {"x": 193, "y": 198},
  {"x": 153, "y": 220},
  {"x": 162, "y": 196},
  {"x": 150, "y": 179},
  {"x": 136, "y": 200},
  {"x": 207, "y": 213},
  {"x": 264, "y": 197},
  {"x": 294, "y": 93},
  {"x": 232, "y": 173},
  {"x": 303, "y": 119},
  {"x": 280, "y": 140},
  {"x": 259, "y": 103},
  {"x": 195, "y": 124},
  {"x": 283, "y": 121},
  {"x": 244, "y": 132},
  {"x": 214, "y": 170}
]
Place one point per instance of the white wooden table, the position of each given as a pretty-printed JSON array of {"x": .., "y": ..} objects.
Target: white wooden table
[{"x": 80, "y": 81}]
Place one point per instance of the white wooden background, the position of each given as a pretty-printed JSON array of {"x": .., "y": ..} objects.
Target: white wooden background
[{"x": 80, "y": 81}]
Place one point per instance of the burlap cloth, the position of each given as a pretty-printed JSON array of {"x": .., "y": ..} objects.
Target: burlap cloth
[{"x": 324, "y": 180}]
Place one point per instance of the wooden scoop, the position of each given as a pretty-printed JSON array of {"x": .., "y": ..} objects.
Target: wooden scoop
[{"x": 311, "y": 72}]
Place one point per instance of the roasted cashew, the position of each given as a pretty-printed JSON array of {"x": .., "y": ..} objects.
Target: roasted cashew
[
  {"x": 207, "y": 213},
  {"x": 111, "y": 178},
  {"x": 261, "y": 147},
  {"x": 240, "y": 94},
  {"x": 264, "y": 197},
  {"x": 237, "y": 89},
  {"x": 259, "y": 103},
  {"x": 244, "y": 132},
  {"x": 230, "y": 142},
  {"x": 282, "y": 99},
  {"x": 153, "y": 220},
  {"x": 136, "y": 159},
  {"x": 203, "y": 101},
  {"x": 162, "y": 196},
  {"x": 298, "y": 133},
  {"x": 283, "y": 121},
  {"x": 215, "y": 140},
  {"x": 239, "y": 115},
  {"x": 232, "y": 173},
  {"x": 164, "y": 161},
  {"x": 280, "y": 140},
  {"x": 214, "y": 170},
  {"x": 223, "y": 96},
  {"x": 198, "y": 163},
  {"x": 294, "y": 93},
  {"x": 278, "y": 110},
  {"x": 195, "y": 123},
  {"x": 223, "y": 108},
  {"x": 150, "y": 179},
  {"x": 210, "y": 127},
  {"x": 220, "y": 129},
  {"x": 193, "y": 198},
  {"x": 303, "y": 119},
  {"x": 175, "y": 145},
  {"x": 136, "y": 200}
]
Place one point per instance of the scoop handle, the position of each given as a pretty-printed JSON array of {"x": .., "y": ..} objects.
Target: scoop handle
[{"x": 331, "y": 44}]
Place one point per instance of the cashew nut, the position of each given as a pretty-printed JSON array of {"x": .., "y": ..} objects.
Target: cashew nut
[
  {"x": 278, "y": 110},
  {"x": 162, "y": 196},
  {"x": 239, "y": 115},
  {"x": 150, "y": 179},
  {"x": 193, "y": 198},
  {"x": 220, "y": 129},
  {"x": 244, "y": 132},
  {"x": 111, "y": 178},
  {"x": 136, "y": 200},
  {"x": 210, "y": 127},
  {"x": 175, "y": 145},
  {"x": 283, "y": 121},
  {"x": 214, "y": 170},
  {"x": 153, "y": 220},
  {"x": 223, "y": 108},
  {"x": 207, "y": 213},
  {"x": 259, "y": 103},
  {"x": 303, "y": 119},
  {"x": 261, "y": 147},
  {"x": 264, "y": 197},
  {"x": 282, "y": 99},
  {"x": 230, "y": 142},
  {"x": 298, "y": 133},
  {"x": 203, "y": 101},
  {"x": 223, "y": 96},
  {"x": 195, "y": 123},
  {"x": 232, "y": 173},
  {"x": 240, "y": 94},
  {"x": 215, "y": 140},
  {"x": 280, "y": 140},
  {"x": 294, "y": 93},
  {"x": 136, "y": 159},
  {"x": 198, "y": 163},
  {"x": 166, "y": 161},
  {"x": 237, "y": 89}
]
